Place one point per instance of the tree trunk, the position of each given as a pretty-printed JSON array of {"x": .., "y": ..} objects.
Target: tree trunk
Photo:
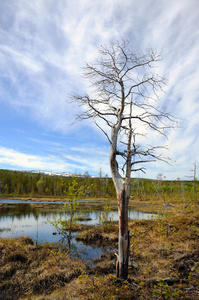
[
  {"x": 122, "y": 188},
  {"x": 122, "y": 199},
  {"x": 123, "y": 241}
]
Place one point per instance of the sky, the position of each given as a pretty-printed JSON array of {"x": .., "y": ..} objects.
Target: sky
[{"x": 43, "y": 46}]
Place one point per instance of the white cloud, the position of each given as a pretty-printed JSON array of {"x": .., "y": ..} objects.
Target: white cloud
[
  {"x": 21, "y": 59},
  {"x": 90, "y": 157},
  {"x": 62, "y": 160},
  {"x": 44, "y": 44},
  {"x": 28, "y": 161}
]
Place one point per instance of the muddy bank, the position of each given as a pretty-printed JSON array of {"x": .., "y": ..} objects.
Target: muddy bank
[
  {"x": 100, "y": 236},
  {"x": 164, "y": 264}
]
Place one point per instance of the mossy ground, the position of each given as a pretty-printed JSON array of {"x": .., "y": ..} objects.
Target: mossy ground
[{"x": 164, "y": 262}]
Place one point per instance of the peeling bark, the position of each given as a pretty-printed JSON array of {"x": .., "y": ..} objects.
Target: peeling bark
[{"x": 123, "y": 241}]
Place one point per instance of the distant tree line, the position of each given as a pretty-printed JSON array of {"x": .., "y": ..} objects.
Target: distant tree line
[
  {"x": 24, "y": 184},
  {"x": 17, "y": 183}
]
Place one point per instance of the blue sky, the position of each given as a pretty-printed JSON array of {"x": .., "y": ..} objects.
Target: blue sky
[{"x": 44, "y": 44}]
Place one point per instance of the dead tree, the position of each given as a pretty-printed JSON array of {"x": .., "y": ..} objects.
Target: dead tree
[{"x": 123, "y": 102}]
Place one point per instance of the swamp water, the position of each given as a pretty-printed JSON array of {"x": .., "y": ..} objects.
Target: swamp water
[{"x": 25, "y": 218}]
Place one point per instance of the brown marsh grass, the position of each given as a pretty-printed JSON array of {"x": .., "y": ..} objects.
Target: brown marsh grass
[{"x": 164, "y": 263}]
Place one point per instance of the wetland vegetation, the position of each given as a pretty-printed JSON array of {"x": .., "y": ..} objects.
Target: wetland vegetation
[{"x": 164, "y": 255}]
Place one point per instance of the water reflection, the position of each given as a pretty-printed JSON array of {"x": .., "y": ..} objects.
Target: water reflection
[
  {"x": 23, "y": 213},
  {"x": 21, "y": 218}
]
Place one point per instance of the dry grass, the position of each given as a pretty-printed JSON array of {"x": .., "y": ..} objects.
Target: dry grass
[
  {"x": 157, "y": 244},
  {"x": 164, "y": 248},
  {"x": 103, "y": 235},
  {"x": 27, "y": 269}
]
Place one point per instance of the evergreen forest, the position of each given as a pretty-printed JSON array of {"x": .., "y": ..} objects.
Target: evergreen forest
[{"x": 24, "y": 184}]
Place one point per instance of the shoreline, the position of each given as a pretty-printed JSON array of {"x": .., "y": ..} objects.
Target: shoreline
[
  {"x": 149, "y": 206},
  {"x": 163, "y": 259},
  {"x": 47, "y": 199}
]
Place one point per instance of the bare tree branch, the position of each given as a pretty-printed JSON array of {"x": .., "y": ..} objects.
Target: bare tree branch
[
  {"x": 124, "y": 96},
  {"x": 103, "y": 132}
]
